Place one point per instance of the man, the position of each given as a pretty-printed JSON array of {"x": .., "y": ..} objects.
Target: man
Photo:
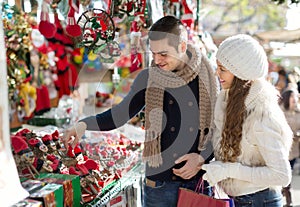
[{"x": 178, "y": 93}]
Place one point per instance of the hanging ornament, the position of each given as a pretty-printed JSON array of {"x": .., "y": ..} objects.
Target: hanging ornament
[
  {"x": 97, "y": 26},
  {"x": 108, "y": 51},
  {"x": 46, "y": 28},
  {"x": 98, "y": 34},
  {"x": 141, "y": 13},
  {"x": 129, "y": 9},
  {"x": 187, "y": 17},
  {"x": 124, "y": 8},
  {"x": 135, "y": 36},
  {"x": 72, "y": 28}
]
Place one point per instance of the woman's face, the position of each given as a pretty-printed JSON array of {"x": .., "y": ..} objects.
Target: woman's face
[{"x": 224, "y": 75}]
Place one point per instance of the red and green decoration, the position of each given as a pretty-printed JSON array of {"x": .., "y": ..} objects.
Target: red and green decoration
[
  {"x": 98, "y": 29},
  {"x": 17, "y": 31},
  {"x": 98, "y": 34},
  {"x": 72, "y": 28}
]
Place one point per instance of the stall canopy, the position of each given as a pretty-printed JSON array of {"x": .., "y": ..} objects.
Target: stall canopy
[{"x": 280, "y": 35}]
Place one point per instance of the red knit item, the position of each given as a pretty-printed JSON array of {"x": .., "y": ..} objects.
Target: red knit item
[
  {"x": 55, "y": 135},
  {"x": 55, "y": 165},
  {"x": 187, "y": 18},
  {"x": 43, "y": 99},
  {"x": 47, "y": 138},
  {"x": 73, "y": 171},
  {"x": 70, "y": 152},
  {"x": 18, "y": 144},
  {"x": 72, "y": 28},
  {"x": 82, "y": 168},
  {"x": 23, "y": 132},
  {"x": 45, "y": 27},
  {"x": 33, "y": 142},
  {"x": 91, "y": 164},
  {"x": 51, "y": 157},
  {"x": 77, "y": 150}
]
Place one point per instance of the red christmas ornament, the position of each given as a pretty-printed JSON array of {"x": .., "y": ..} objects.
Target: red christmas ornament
[
  {"x": 45, "y": 26},
  {"x": 77, "y": 150},
  {"x": 23, "y": 132},
  {"x": 55, "y": 135},
  {"x": 47, "y": 138},
  {"x": 55, "y": 165},
  {"x": 82, "y": 168},
  {"x": 19, "y": 144},
  {"x": 72, "y": 28},
  {"x": 110, "y": 163},
  {"x": 91, "y": 164},
  {"x": 70, "y": 152},
  {"x": 187, "y": 18},
  {"x": 73, "y": 171},
  {"x": 51, "y": 157}
]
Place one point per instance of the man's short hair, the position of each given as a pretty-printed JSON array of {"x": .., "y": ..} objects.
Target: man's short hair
[{"x": 168, "y": 27}]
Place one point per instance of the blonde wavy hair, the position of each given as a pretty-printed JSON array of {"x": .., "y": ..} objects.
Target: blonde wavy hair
[{"x": 236, "y": 113}]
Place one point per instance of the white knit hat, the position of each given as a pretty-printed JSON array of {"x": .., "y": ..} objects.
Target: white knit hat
[{"x": 243, "y": 56}]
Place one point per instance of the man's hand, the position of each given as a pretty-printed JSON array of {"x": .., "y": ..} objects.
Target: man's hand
[
  {"x": 193, "y": 164},
  {"x": 73, "y": 134}
]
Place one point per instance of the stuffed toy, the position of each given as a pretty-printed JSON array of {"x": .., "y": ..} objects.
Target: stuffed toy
[
  {"x": 28, "y": 95},
  {"x": 48, "y": 141},
  {"x": 23, "y": 155},
  {"x": 38, "y": 147}
]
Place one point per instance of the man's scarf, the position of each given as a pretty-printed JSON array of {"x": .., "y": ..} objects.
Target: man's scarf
[{"x": 160, "y": 79}]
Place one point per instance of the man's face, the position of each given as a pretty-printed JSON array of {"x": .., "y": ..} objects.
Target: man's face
[{"x": 165, "y": 57}]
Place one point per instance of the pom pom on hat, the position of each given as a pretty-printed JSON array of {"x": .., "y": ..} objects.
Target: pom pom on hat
[{"x": 243, "y": 56}]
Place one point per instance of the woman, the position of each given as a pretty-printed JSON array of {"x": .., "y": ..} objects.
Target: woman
[
  {"x": 289, "y": 103},
  {"x": 252, "y": 138}
]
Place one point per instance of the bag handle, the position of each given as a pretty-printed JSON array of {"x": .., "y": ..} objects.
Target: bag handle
[{"x": 200, "y": 186}]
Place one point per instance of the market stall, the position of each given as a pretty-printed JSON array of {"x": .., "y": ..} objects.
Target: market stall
[{"x": 66, "y": 60}]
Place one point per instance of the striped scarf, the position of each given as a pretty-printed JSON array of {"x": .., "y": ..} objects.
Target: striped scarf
[{"x": 158, "y": 80}]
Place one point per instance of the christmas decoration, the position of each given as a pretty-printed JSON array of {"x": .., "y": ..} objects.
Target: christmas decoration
[
  {"x": 72, "y": 28},
  {"x": 187, "y": 17},
  {"x": 98, "y": 34},
  {"x": 17, "y": 31},
  {"x": 46, "y": 28},
  {"x": 97, "y": 26}
]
